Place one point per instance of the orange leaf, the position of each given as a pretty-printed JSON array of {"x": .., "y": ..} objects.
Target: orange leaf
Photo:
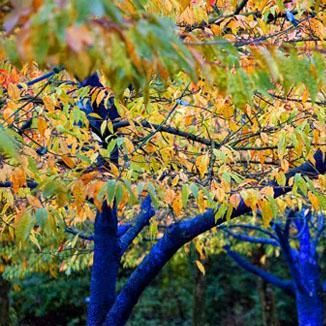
[
  {"x": 169, "y": 196},
  {"x": 41, "y": 126},
  {"x": 177, "y": 205},
  {"x": 18, "y": 179},
  {"x": 235, "y": 200},
  {"x": 68, "y": 161}
]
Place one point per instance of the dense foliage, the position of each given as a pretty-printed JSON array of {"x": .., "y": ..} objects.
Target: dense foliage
[{"x": 210, "y": 107}]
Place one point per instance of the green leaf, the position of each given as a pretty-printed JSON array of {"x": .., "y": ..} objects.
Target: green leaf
[
  {"x": 8, "y": 145},
  {"x": 281, "y": 146},
  {"x": 194, "y": 189},
  {"x": 24, "y": 227},
  {"x": 41, "y": 217},
  {"x": 221, "y": 211},
  {"x": 118, "y": 192},
  {"x": 185, "y": 195},
  {"x": 110, "y": 190},
  {"x": 301, "y": 184},
  {"x": 151, "y": 190}
]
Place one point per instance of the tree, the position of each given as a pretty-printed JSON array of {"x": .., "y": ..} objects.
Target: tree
[
  {"x": 297, "y": 239},
  {"x": 220, "y": 116}
]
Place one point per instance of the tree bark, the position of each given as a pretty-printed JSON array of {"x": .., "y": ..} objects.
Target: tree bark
[
  {"x": 310, "y": 309},
  {"x": 266, "y": 295},
  {"x": 267, "y": 300},
  {"x": 198, "y": 311},
  {"x": 105, "y": 266}
]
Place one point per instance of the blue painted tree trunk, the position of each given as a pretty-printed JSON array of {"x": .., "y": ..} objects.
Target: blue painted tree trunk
[
  {"x": 309, "y": 300},
  {"x": 105, "y": 266},
  {"x": 310, "y": 309}
]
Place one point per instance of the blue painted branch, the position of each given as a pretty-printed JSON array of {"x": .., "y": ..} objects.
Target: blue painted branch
[
  {"x": 287, "y": 252},
  {"x": 247, "y": 238},
  {"x": 250, "y": 227},
  {"x": 53, "y": 72},
  {"x": 285, "y": 285},
  {"x": 146, "y": 212}
]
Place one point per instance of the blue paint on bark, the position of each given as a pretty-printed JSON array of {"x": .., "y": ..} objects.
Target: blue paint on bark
[{"x": 105, "y": 265}]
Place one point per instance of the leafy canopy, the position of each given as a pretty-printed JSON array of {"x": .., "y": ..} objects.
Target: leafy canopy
[{"x": 222, "y": 100}]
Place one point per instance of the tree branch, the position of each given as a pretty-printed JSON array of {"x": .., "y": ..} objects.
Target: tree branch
[
  {"x": 29, "y": 184},
  {"x": 167, "y": 129},
  {"x": 240, "y": 7},
  {"x": 79, "y": 233},
  {"x": 122, "y": 229},
  {"x": 247, "y": 238},
  {"x": 285, "y": 285},
  {"x": 252, "y": 227},
  {"x": 288, "y": 253},
  {"x": 146, "y": 212},
  {"x": 54, "y": 71}
]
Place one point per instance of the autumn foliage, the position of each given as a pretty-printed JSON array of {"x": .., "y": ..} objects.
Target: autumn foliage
[{"x": 215, "y": 102}]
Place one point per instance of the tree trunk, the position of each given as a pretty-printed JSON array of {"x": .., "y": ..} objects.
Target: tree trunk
[
  {"x": 105, "y": 266},
  {"x": 308, "y": 294},
  {"x": 310, "y": 309},
  {"x": 266, "y": 294},
  {"x": 4, "y": 302},
  {"x": 198, "y": 311},
  {"x": 267, "y": 300}
]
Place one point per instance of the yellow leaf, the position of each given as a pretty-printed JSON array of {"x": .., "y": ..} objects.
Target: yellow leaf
[
  {"x": 103, "y": 127},
  {"x": 202, "y": 164},
  {"x": 314, "y": 200},
  {"x": 100, "y": 96},
  {"x": 78, "y": 191},
  {"x": 201, "y": 202},
  {"x": 305, "y": 96},
  {"x": 251, "y": 198},
  {"x": 284, "y": 165},
  {"x": 266, "y": 211},
  {"x": 200, "y": 266},
  {"x": 268, "y": 191},
  {"x": 129, "y": 145},
  {"x": 114, "y": 170},
  {"x": 199, "y": 248},
  {"x": 49, "y": 103},
  {"x": 13, "y": 91},
  {"x": 94, "y": 95},
  {"x": 280, "y": 178},
  {"x": 219, "y": 194}
]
